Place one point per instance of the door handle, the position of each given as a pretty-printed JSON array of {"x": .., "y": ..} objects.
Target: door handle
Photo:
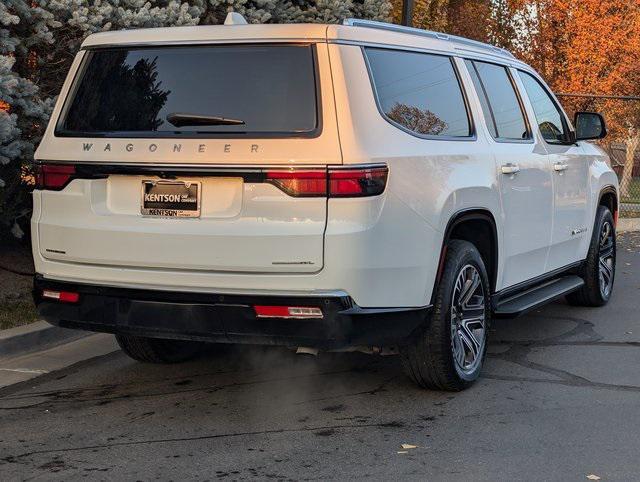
[
  {"x": 559, "y": 167},
  {"x": 510, "y": 168}
]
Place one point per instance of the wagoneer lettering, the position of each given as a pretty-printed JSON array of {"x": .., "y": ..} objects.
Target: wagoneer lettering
[
  {"x": 315, "y": 186},
  {"x": 177, "y": 148}
]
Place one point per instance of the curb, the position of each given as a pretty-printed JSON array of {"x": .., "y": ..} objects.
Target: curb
[
  {"x": 626, "y": 225},
  {"x": 34, "y": 337}
]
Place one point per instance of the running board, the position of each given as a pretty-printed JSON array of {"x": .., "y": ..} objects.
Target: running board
[{"x": 520, "y": 303}]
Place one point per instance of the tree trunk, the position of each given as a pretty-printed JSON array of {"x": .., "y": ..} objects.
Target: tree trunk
[{"x": 632, "y": 143}]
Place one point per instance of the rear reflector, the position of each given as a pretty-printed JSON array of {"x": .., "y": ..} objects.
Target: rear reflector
[
  {"x": 298, "y": 312},
  {"x": 64, "y": 296},
  {"x": 54, "y": 177},
  {"x": 333, "y": 182}
]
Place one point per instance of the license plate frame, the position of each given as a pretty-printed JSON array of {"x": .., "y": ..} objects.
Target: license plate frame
[{"x": 187, "y": 205}]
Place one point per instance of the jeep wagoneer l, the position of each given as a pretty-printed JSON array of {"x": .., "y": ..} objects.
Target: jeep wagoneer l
[{"x": 320, "y": 187}]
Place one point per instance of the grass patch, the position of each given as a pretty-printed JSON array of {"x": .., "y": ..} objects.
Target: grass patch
[{"x": 17, "y": 313}]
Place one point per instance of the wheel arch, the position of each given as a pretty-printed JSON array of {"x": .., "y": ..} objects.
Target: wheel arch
[
  {"x": 609, "y": 197},
  {"x": 477, "y": 226}
]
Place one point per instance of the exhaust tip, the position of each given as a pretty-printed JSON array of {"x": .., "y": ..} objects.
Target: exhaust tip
[{"x": 306, "y": 350}]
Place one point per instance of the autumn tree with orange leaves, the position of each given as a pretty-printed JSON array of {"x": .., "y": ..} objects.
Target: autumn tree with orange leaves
[
  {"x": 578, "y": 46},
  {"x": 591, "y": 47}
]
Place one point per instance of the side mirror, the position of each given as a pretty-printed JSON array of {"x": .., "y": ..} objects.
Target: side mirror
[{"x": 589, "y": 125}]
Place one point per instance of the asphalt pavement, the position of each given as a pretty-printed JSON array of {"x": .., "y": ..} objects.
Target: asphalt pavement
[{"x": 559, "y": 399}]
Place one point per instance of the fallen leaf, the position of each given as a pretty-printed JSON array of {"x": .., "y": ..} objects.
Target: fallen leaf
[
  {"x": 593, "y": 477},
  {"x": 408, "y": 446}
]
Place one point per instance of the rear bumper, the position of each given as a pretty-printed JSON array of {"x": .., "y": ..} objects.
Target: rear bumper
[{"x": 225, "y": 318}]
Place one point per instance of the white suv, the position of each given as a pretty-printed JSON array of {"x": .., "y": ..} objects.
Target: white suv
[{"x": 317, "y": 186}]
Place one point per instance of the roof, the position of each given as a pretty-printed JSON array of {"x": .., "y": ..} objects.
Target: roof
[{"x": 351, "y": 31}]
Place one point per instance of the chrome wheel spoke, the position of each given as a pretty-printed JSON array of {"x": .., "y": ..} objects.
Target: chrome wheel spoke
[
  {"x": 458, "y": 349},
  {"x": 470, "y": 287},
  {"x": 473, "y": 312},
  {"x": 606, "y": 269},
  {"x": 468, "y": 331},
  {"x": 606, "y": 250}
]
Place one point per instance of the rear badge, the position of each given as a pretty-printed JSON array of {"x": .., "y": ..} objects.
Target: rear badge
[{"x": 175, "y": 199}]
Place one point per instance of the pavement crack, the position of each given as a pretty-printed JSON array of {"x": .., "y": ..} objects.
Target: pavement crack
[{"x": 15, "y": 458}]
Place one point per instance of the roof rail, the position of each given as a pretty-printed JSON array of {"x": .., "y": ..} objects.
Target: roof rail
[{"x": 356, "y": 22}]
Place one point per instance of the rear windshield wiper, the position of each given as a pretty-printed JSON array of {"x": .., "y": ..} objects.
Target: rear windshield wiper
[{"x": 181, "y": 119}]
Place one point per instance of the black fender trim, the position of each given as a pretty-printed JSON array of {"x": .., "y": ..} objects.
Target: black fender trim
[{"x": 458, "y": 218}]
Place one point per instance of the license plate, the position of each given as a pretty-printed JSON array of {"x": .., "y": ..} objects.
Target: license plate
[{"x": 176, "y": 199}]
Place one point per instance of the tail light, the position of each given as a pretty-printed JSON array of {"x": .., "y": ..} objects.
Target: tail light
[
  {"x": 357, "y": 182},
  {"x": 300, "y": 183},
  {"x": 332, "y": 182},
  {"x": 54, "y": 177}
]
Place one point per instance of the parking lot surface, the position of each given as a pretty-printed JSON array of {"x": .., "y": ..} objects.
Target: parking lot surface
[{"x": 559, "y": 399}]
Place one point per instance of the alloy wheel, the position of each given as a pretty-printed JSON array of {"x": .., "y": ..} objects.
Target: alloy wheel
[
  {"x": 606, "y": 259},
  {"x": 468, "y": 323}
]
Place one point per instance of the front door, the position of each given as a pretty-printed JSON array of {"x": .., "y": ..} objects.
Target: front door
[{"x": 570, "y": 167}]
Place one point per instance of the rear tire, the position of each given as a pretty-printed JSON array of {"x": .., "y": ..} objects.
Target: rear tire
[
  {"x": 448, "y": 354},
  {"x": 600, "y": 266},
  {"x": 156, "y": 350}
]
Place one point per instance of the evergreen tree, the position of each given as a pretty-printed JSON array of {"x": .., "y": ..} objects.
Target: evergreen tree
[{"x": 39, "y": 39}]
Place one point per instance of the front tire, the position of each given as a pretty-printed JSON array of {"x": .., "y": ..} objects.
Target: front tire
[
  {"x": 156, "y": 350},
  {"x": 600, "y": 266},
  {"x": 448, "y": 354}
]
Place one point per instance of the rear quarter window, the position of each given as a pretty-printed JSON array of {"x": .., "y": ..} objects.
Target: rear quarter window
[
  {"x": 133, "y": 92},
  {"x": 419, "y": 92}
]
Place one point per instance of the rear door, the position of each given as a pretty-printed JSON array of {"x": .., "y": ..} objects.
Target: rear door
[
  {"x": 523, "y": 170},
  {"x": 177, "y": 151}
]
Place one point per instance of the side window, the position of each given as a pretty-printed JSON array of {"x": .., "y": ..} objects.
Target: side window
[
  {"x": 500, "y": 104},
  {"x": 420, "y": 92},
  {"x": 548, "y": 116}
]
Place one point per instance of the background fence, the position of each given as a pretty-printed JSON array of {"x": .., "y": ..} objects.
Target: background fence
[{"x": 622, "y": 114}]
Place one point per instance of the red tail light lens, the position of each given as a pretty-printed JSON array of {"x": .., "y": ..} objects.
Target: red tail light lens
[
  {"x": 300, "y": 183},
  {"x": 54, "y": 177},
  {"x": 357, "y": 182},
  {"x": 334, "y": 182}
]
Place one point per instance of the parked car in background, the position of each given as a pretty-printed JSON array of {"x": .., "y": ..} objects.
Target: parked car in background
[{"x": 315, "y": 186}]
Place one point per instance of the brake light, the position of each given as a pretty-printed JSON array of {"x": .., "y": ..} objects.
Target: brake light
[
  {"x": 54, "y": 177},
  {"x": 296, "y": 312},
  {"x": 64, "y": 296},
  {"x": 357, "y": 182},
  {"x": 334, "y": 182}
]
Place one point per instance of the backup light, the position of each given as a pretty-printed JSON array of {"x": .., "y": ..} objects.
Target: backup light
[
  {"x": 296, "y": 312},
  {"x": 63, "y": 296}
]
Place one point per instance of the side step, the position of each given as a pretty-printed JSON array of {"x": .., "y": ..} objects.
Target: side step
[{"x": 520, "y": 303}]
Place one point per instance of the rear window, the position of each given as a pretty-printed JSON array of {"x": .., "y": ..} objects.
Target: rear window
[{"x": 196, "y": 90}]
